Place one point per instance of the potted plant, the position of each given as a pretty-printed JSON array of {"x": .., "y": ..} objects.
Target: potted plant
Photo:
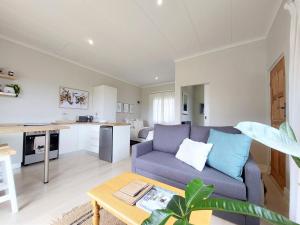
[
  {"x": 197, "y": 194},
  {"x": 16, "y": 88}
]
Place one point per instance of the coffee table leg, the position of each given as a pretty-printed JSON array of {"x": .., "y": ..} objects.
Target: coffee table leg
[{"x": 96, "y": 216}]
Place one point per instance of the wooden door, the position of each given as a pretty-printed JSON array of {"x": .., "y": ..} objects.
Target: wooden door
[{"x": 278, "y": 115}]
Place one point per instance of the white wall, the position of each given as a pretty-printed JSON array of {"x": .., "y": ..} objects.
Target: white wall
[
  {"x": 40, "y": 76},
  {"x": 145, "y": 104},
  {"x": 238, "y": 80},
  {"x": 278, "y": 39}
]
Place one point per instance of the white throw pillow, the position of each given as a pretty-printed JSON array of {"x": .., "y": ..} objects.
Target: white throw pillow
[
  {"x": 150, "y": 136},
  {"x": 194, "y": 153}
]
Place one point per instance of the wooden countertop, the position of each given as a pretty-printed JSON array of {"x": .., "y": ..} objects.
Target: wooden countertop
[
  {"x": 6, "y": 150},
  {"x": 91, "y": 123},
  {"x": 18, "y": 128}
]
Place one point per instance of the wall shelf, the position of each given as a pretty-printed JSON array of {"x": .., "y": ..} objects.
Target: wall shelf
[
  {"x": 4, "y": 76},
  {"x": 7, "y": 94}
]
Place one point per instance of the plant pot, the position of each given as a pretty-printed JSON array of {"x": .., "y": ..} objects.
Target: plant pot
[{"x": 9, "y": 90}]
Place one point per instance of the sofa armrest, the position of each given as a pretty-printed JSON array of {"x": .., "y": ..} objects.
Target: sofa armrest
[
  {"x": 255, "y": 193},
  {"x": 141, "y": 149}
]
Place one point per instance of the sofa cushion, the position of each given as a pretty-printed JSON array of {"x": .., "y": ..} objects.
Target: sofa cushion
[
  {"x": 167, "y": 166},
  {"x": 230, "y": 152},
  {"x": 169, "y": 138},
  {"x": 201, "y": 133},
  {"x": 193, "y": 153}
]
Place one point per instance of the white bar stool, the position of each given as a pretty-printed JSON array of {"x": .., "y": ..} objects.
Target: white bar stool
[{"x": 7, "y": 182}]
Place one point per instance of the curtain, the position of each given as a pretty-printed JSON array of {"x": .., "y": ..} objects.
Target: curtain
[
  {"x": 163, "y": 107},
  {"x": 293, "y": 102}
]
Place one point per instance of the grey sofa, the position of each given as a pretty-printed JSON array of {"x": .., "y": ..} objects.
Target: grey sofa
[{"x": 156, "y": 159}]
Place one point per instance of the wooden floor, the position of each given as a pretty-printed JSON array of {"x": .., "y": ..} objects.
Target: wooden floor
[{"x": 70, "y": 178}]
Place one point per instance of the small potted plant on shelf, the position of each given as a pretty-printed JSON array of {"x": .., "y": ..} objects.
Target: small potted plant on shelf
[
  {"x": 197, "y": 194},
  {"x": 16, "y": 88}
]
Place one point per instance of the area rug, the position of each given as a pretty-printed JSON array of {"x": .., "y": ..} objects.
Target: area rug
[{"x": 82, "y": 215}]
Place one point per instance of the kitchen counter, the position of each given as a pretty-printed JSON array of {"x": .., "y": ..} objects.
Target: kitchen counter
[{"x": 19, "y": 128}]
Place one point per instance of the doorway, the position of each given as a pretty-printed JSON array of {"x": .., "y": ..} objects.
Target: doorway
[
  {"x": 195, "y": 105},
  {"x": 278, "y": 116}
]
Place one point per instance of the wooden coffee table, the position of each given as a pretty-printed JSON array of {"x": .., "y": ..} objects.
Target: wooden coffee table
[{"x": 102, "y": 196}]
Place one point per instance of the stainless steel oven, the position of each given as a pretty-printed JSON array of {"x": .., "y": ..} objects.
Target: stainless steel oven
[{"x": 34, "y": 146}]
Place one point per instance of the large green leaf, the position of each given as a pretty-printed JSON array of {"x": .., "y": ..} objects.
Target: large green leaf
[
  {"x": 182, "y": 222},
  {"x": 297, "y": 161},
  {"x": 240, "y": 207},
  {"x": 271, "y": 137},
  {"x": 158, "y": 217},
  {"x": 286, "y": 128},
  {"x": 177, "y": 206},
  {"x": 196, "y": 191}
]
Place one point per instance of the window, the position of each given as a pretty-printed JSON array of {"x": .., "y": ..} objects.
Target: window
[{"x": 163, "y": 107}]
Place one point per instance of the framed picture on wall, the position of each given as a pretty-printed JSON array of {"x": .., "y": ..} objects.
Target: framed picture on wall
[
  {"x": 132, "y": 108},
  {"x": 73, "y": 98},
  {"x": 126, "y": 108},
  {"x": 119, "y": 107}
]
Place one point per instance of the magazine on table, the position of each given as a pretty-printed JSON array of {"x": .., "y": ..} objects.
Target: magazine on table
[{"x": 156, "y": 198}]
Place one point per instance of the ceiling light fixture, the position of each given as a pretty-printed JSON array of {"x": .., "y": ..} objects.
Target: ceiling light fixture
[
  {"x": 156, "y": 78},
  {"x": 159, "y": 2},
  {"x": 90, "y": 41}
]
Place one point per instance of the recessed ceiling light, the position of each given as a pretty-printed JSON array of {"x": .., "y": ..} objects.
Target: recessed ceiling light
[
  {"x": 159, "y": 2},
  {"x": 90, "y": 41},
  {"x": 156, "y": 78}
]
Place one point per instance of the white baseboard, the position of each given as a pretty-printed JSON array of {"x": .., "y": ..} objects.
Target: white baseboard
[{"x": 16, "y": 165}]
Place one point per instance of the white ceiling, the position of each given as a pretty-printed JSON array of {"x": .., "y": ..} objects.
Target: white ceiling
[{"x": 135, "y": 40}]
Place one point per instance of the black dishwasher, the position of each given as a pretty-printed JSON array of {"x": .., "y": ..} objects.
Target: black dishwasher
[{"x": 106, "y": 143}]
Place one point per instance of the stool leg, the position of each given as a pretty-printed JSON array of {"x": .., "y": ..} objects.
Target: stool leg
[{"x": 11, "y": 185}]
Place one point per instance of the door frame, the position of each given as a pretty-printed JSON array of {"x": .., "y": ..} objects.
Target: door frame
[{"x": 206, "y": 104}]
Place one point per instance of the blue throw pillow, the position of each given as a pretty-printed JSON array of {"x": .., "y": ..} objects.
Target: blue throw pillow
[{"x": 229, "y": 153}]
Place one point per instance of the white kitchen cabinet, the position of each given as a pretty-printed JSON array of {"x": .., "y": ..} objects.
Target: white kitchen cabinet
[
  {"x": 82, "y": 136},
  {"x": 105, "y": 103},
  {"x": 121, "y": 143},
  {"x": 68, "y": 140},
  {"x": 88, "y": 137}
]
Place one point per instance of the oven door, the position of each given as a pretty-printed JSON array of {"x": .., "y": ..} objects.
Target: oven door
[
  {"x": 30, "y": 155},
  {"x": 29, "y": 144}
]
